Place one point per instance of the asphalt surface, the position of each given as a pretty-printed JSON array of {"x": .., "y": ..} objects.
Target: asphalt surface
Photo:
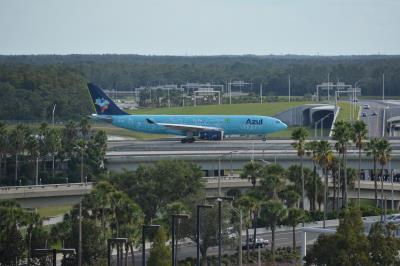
[
  {"x": 225, "y": 146},
  {"x": 282, "y": 239},
  {"x": 374, "y": 122}
]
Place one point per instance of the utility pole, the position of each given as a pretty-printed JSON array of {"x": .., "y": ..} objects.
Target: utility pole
[
  {"x": 383, "y": 86},
  {"x": 230, "y": 92},
  {"x": 328, "y": 86},
  {"x": 261, "y": 93},
  {"x": 80, "y": 235},
  {"x": 169, "y": 101},
  {"x": 183, "y": 97},
  {"x": 54, "y": 109},
  {"x": 289, "y": 87}
]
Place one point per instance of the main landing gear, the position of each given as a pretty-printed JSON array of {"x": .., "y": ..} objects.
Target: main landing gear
[{"x": 187, "y": 140}]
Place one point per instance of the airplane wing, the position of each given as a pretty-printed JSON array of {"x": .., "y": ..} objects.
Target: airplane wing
[{"x": 183, "y": 127}]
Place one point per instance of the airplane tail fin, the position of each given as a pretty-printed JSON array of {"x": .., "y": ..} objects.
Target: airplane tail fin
[{"x": 103, "y": 104}]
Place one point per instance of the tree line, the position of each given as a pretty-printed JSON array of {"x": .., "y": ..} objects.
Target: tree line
[
  {"x": 47, "y": 154},
  {"x": 30, "y": 86}
]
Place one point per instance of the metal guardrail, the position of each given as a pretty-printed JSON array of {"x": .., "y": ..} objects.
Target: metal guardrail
[{"x": 38, "y": 187}]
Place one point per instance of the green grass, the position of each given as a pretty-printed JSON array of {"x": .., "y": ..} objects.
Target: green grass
[
  {"x": 54, "y": 210},
  {"x": 379, "y": 97},
  {"x": 344, "y": 113},
  {"x": 267, "y": 108}
]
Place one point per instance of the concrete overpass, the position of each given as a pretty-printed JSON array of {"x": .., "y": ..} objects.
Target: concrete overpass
[
  {"x": 46, "y": 195},
  {"x": 63, "y": 194},
  {"x": 212, "y": 160},
  {"x": 366, "y": 192}
]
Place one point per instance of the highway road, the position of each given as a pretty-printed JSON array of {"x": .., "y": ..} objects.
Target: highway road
[
  {"x": 374, "y": 122},
  {"x": 224, "y": 145},
  {"x": 282, "y": 239}
]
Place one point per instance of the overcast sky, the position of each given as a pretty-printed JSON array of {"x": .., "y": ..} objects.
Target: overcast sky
[{"x": 200, "y": 27}]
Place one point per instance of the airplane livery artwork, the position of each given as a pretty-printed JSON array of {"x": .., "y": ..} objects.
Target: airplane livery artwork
[{"x": 209, "y": 127}]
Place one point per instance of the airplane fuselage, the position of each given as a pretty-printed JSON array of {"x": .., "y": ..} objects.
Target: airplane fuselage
[{"x": 230, "y": 124}]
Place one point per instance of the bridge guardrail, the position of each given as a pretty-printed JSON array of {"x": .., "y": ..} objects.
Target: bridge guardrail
[{"x": 19, "y": 188}]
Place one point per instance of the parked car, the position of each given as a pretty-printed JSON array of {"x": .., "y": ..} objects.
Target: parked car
[
  {"x": 374, "y": 114},
  {"x": 364, "y": 114},
  {"x": 394, "y": 218},
  {"x": 260, "y": 243},
  {"x": 366, "y": 106}
]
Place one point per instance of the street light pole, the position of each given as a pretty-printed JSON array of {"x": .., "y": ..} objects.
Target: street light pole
[
  {"x": 174, "y": 255},
  {"x": 329, "y": 87},
  {"x": 383, "y": 86},
  {"x": 289, "y": 87},
  {"x": 144, "y": 227},
  {"x": 219, "y": 175},
  {"x": 198, "y": 232},
  {"x": 80, "y": 234},
  {"x": 219, "y": 231},
  {"x": 219, "y": 200},
  {"x": 54, "y": 109}
]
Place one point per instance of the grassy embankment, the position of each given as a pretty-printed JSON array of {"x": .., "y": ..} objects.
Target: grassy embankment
[
  {"x": 52, "y": 211},
  {"x": 344, "y": 113}
]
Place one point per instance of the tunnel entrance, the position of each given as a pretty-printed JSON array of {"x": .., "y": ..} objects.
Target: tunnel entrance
[{"x": 326, "y": 115}]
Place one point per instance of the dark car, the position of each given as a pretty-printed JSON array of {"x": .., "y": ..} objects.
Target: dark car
[
  {"x": 364, "y": 114},
  {"x": 374, "y": 114}
]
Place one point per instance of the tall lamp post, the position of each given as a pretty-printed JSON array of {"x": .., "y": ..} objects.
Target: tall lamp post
[
  {"x": 80, "y": 148},
  {"x": 239, "y": 211},
  {"x": 144, "y": 227},
  {"x": 54, "y": 109},
  {"x": 174, "y": 248},
  {"x": 198, "y": 231},
  {"x": 219, "y": 200}
]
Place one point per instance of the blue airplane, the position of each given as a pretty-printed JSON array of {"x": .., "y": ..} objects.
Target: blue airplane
[{"x": 209, "y": 127}]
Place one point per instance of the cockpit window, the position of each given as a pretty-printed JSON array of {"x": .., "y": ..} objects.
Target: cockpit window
[{"x": 277, "y": 122}]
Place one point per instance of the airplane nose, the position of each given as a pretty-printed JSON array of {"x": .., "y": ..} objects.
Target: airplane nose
[{"x": 284, "y": 126}]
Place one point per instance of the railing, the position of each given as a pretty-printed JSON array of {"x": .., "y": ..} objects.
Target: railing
[{"x": 47, "y": 186}]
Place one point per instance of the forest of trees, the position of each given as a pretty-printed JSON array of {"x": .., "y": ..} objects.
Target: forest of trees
[{"x": 31, "y": 85}]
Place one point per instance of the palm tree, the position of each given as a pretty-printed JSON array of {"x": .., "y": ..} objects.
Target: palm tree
[
  {"x": 246, "y": 203},
  {"x": 251, "y": 171},
  {"x": 85, "y": 127},
  {"x": 43, "y": 133},
  {"x": 299, "y": 135},
  {"x": 295, "y": 216},
  {"x": 325, "y": 156},
  {"x": 81, "y": 147},
  {"x": 33, "y": 148},
  {"x": 69, "y": 136},
  {"x": 271, "y": 184},
  {"x": 334, "y": 168},
  {"x": 19, "y": 137},
  {"x": 53, "y": 145},
  {"x": 360, "y": 132},
  {"x": 290, "y": 196},
  {"x": 311, "y": 150},
  {"x": 273, "y": 212},
  {"x": 32, "y": 220},
  {"x": 342, "y": 133},
  {"x": 372, "y": 150},
  {"x": 384, "y": 151}
]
